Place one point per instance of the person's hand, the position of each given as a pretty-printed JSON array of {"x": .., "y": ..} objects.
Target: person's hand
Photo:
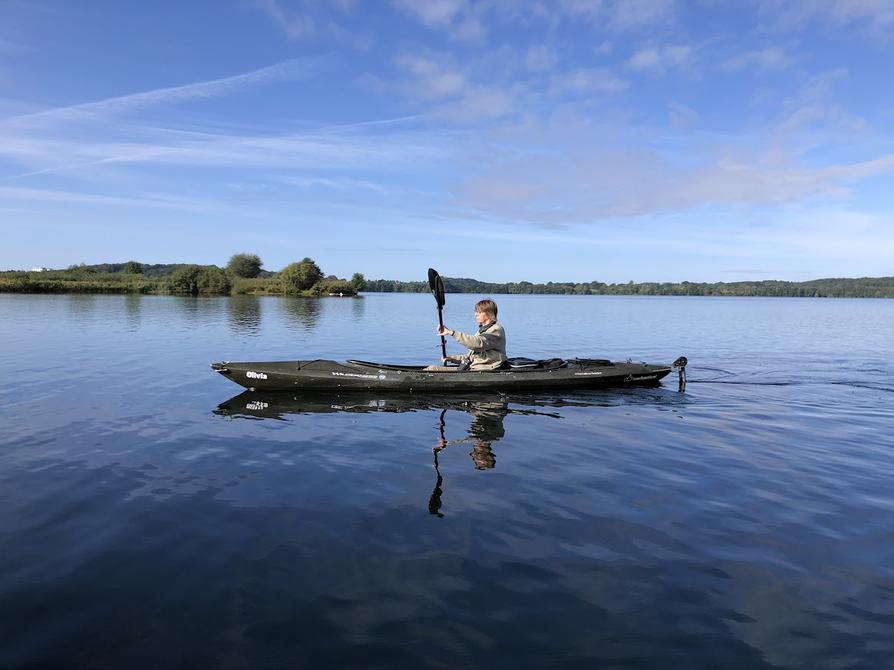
[
  {"x": 444, "y": 330},
  {"x": 445, "y": 359}
]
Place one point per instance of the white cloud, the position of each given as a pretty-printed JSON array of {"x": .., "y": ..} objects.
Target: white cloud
[{"x": 662, "y": 57}]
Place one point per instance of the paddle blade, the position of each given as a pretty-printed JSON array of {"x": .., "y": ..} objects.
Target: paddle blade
[{"x": 436, "y": 285}]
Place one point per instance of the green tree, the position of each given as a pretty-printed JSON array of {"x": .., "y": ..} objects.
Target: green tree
[
  {"x": 244, "y": 265},
  {"x": 358, "y": 281},
  {"x": 132, "y": 268},
  {"x": 301, "y": 276}
]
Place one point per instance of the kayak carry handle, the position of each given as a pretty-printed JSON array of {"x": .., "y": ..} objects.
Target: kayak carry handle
[{"x": 680, "y": 364}]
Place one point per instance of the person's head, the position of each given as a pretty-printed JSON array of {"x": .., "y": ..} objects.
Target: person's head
[
  {"x": 483, "y": 456},
  {"x": 485, "y": 311}
]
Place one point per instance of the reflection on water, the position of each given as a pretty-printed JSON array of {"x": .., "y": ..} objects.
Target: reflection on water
[
  {"x": 302, "y": 313},
  {"x": 358, "y": 308},
  {"x": 133, "y": 304},
  {"x": 244, "y": 312},
  {"x": 81, "y": 308},
  {"x": 198, "y": 310},
  {"x": 486, "y": 411}
]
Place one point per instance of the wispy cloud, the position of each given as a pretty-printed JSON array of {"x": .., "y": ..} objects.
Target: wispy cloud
[
  {"x": 461, "y": 19},
  {"x": 540, "y": 58},
  {"x": 431, "y": 79},
  {"x": 341, "y": 185},
  {"x": 769, "y": 58},
  {"x": 286, "y": 70},
  {"x": 872, "y": 15},
  {"x": 621, "y": 15},
  {"x": 682, "y": 116},
  {"x": 580, "y": 187},
  {"x": 661, "y": 58},
  {"x": 81, "y": 198},
  {"x": 588, "y": 81},
  {"x": 311, "y": 20}
]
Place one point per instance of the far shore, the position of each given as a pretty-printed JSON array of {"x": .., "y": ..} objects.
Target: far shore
[{"x": 87, "y": 280}]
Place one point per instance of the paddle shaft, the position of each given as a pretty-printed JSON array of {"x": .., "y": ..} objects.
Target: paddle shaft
[{"x": 441, "y": 322}]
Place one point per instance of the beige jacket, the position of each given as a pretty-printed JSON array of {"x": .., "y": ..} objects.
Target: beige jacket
[{"x": 487, "y": 348}]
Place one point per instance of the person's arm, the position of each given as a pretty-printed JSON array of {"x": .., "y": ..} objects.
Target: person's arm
[{"x": 492, "y": 339}]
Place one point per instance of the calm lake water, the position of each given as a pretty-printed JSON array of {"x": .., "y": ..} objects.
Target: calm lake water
[{"x": 148, "y": 519}]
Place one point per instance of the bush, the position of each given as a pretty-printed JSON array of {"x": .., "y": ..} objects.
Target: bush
[
  {"x": 244, "y": 265},
  {"x": 334, "y": 287},
  {"x": 132, "y": 268},
  {"x": 255, "y": 286},
  {"x": 197, "y": 279},
  {"x": 299, "y": 277},
  {"x": 213, "y": 281}
]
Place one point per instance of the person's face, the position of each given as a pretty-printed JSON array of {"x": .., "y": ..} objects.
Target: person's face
[{"x": 481, "y": 318}]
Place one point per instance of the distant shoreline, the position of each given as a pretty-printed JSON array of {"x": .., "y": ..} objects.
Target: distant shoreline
[
  {"x": 62, "y": 282},
  {"x": 864, "y": 287}
]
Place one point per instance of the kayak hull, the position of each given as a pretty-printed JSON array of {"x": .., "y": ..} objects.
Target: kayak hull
[{"x": 325, "y": 375}]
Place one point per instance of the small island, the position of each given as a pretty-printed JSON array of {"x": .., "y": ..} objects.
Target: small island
[{"x": 243, "y": 275}]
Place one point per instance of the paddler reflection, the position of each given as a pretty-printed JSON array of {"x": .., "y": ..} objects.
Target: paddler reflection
[{"x": 485, "y": 429}]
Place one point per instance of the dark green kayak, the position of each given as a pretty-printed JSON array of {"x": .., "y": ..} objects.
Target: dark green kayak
[{"x": 520, "y": 375}]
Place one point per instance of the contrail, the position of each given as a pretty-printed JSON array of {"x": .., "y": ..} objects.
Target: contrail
[{"x": 296, "y": 68}]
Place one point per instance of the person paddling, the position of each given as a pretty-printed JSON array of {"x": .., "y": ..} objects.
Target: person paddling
[{"x": 487, "y": 348}]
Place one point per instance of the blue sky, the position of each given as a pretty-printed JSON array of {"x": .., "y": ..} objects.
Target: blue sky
[{"x": 566, "y": 140}]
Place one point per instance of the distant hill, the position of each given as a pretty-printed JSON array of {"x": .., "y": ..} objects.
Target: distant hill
[{"x": 864, "y": 287}]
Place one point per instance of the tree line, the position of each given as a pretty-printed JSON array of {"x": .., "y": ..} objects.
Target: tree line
[
  {"x": 243, "y": 274},
  {"x": 865, "y": 287}
]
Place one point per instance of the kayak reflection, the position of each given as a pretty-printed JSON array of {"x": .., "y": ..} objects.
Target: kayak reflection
[
  {"x": 487, "y": 413},
  {"x": 487, "y": 409}
]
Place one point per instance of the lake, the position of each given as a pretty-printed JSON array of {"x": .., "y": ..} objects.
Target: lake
[{"x": 150, "y": 518}]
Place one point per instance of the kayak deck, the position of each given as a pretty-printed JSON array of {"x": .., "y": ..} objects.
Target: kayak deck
[{"x": 322, "y": 375}]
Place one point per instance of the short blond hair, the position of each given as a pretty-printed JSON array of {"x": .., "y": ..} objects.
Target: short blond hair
[{"x": 487, "y": 306}]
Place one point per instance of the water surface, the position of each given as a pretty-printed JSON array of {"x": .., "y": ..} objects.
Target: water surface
[{"x": 152, "y": 517}]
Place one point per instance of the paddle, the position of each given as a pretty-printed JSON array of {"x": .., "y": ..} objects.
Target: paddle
[{"x": 437, "y": 289}]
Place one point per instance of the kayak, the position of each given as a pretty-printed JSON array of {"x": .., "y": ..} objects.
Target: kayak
[{"x": 518, "y": 375}]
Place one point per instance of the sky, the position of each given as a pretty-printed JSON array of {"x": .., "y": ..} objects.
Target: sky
[{"x": 504, "y": 140}]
